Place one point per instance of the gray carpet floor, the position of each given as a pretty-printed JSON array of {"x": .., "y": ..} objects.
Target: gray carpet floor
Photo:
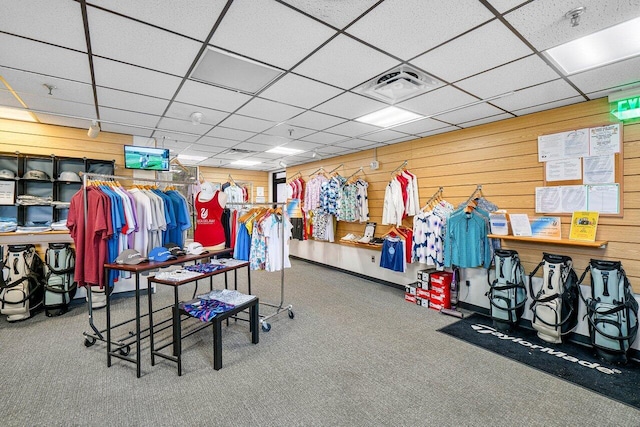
[{"x": 356, "y": 354}]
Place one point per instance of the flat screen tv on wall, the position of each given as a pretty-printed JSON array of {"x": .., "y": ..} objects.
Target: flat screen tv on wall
[{"x": 146, "y": 158}]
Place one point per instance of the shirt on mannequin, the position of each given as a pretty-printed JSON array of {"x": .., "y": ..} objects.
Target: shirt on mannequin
[{"x": 209, "y": 206}]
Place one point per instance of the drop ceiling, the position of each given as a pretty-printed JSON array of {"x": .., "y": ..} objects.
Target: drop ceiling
[{"x": 129, "y": 64}]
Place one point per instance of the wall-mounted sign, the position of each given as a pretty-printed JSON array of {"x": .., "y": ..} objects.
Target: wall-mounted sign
[{"x": 626, "y": 109}]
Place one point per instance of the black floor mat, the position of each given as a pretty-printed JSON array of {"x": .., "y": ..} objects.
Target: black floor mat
[{"x": 571, "y": 362}]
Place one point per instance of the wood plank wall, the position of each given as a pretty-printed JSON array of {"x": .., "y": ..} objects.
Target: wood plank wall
[
  {"x": 240, "y": 176},
  {"x": 502, "y": 157}
]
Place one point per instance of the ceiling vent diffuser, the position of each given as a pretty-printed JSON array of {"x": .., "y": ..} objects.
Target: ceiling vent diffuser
[
  {"x": 398, "y": 84},
  {"x": 240, "y": 151}
]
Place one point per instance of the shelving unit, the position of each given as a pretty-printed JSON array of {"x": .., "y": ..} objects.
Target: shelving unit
[{"x": 600, "y": 244}]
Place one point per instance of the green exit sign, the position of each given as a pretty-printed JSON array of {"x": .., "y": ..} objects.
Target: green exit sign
[{"x": 628, "y": 108}]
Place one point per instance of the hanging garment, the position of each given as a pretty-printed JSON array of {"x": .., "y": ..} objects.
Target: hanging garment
[{"x": 209, "y": 230}]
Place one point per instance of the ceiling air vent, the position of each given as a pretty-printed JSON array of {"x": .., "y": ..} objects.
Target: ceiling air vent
[
  {"x": 240, "y": 151},
  {"x": 399, "y": 84}
]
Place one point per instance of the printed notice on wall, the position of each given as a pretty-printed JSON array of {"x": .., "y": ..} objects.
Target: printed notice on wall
[
  {"x": 599, "y": 169},
  {"x": 561, "y": 199},
  {"x": 548, "y": 199},
  {"x": 7, "y": 191},
  {"x": 563, "y": 170},
  {"x": 604, "y": 198},
  {"x": 574, "y": 198},
  {"x": 604, "y": 140},
  {"x": 563, "y": 145}
]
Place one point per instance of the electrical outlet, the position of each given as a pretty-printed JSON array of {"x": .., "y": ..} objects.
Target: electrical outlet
[{"x": 373, "y": 258}]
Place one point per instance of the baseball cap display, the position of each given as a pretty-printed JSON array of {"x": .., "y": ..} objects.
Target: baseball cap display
[
  {"x": 69, "y": 176},
  {"x": 160, "y": 254},
  {"x": 131, "y": 257},
  {"x": 36, "y": 174},
  {"x": 6, "y": 173},
  {"x": 174, "y": 249},
  {"x": 195, "y": 248}
]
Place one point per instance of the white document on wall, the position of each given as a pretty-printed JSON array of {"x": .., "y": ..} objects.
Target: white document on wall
[
  {"x": 548, "y": 200},
  {"x": 604, "y": 199},
  {"x": 599, "y": 169},
  {"x": 563, "y": 170},
  {"x": 604, "y": 140},
  {"x": 7, "y": 192},
  {"x": 563, "y": 145},
  {"x": 520, "y": 225},
  {"x": 574, "y": 198}
]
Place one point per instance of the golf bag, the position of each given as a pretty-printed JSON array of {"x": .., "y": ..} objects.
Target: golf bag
[
  {"x": 507, "y": 293},
  {"x": 60, "y": 261},
  {"x": 612, "y": 310},
  {"x": 21, "y": 282},
  {"x": 555, "y": 304}
]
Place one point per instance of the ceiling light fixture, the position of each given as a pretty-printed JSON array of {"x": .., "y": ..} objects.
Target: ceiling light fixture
[
  {"x": 245, "y": 163},
  {"x": 94, "y": 130},
  {"x": 284, "y": 150},
  {"x": 196, "y": 117},
  {"x": 604, "y": 47},
  {"x": 282, "y": 164},
  {"x": 389, "y": 116},
  {"x": 316, "y": 155}
]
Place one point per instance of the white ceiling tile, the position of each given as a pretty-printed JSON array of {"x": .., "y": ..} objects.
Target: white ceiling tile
[
  {"x": 208, "y": 141},
  {"x": 270, "y": 140},
  {"x": 336, "y": 13},
  {"x": 384, "y": 135},
  {"x": 63, "y": 121},
  {"x": 437, "y": 101},
  {"x": 555, "y": 104},
  {"x": 419, "y": 126},
  {"x": 299, "y": 91},
  {"x": 403, "y": 139},
  {"x": 231, "y": 134},
  {"x": 374, "y": 145},
  {"x": 210, "y": 96},
  {"x": 542, "y": 22},
  {"x": 439, "y": 130},
  {"x": 168, "y": 135},
  {"x": 353, "y": 129},
  {"x": 475, "y": 112},
  {"x": 247, "y": 123},
  {"x": 33, "y": 83},
  {"x": 116, "y": 75},
  {"x": 127, "y": 130},
  {"x": 350, "y": 106},
  {"x": 42, "y": 58},
  {"x": 131, "y": 101},
  {"x": 183, "y": 126},
  {"x": 269, "y": 110},
  {"x": 54, "y": 105},
  {"x": 124, "y": 117},
  {"x": 516, "y": 75},
  {"x": 178, "y": 110},
  {"x": 503, "y": 5},
  {"x": 610, "y": 76},
  {"x": 485, "y": 120},
  {"x": 288, "y": 131},
  {"x": 140, "y": 44},
  {"x": 540, "y": 94},
  {"x": 195, "y": 21},
  {"x": 346, "y": 63},
  {"x": 261, "y": 30},
  {"x": 7, "y": 99},
  {"x": 313, "y": 120},
  {"x": 36, "y": 19},
  {"x": 354, "y": 143},
  {"x": 487, "y": 47},
  {"x": 323, "y": 138},
  {"x": 302, "y": 145},
  {"x": 418, "y": 25}
]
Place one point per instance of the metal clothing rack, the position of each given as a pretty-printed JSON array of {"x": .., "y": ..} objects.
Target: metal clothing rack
[
  {"x": 280, "y": 307},
  {"x": 98, "y": 335}
]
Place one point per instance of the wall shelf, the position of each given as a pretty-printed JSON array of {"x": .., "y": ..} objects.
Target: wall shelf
[{"x": 600, "y": 244}]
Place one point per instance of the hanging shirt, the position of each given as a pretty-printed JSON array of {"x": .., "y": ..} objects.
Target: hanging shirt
[{"x": 209, "y": 230}]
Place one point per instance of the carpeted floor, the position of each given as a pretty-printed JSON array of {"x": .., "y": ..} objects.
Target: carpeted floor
[
  {"x": 569, "y": 361},
  {"x": 356, "y": 354}
]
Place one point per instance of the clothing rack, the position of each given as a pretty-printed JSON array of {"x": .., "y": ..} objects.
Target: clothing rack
[
  {"x": 437, "y": 194},
  {"x": 339, "y": 166},
  {"x": 294, "y": 176},
  {"x": 317, "y": 170},
  {"x": 280, "y": 307},
  {"x": 361, "y": 169},
  {"x": 405, "y": 163},
  {"x": 478, "y": 190},
  {"x": 97, "y": 335}
]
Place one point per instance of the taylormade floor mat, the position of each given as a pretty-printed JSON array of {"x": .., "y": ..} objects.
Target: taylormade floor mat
[{"x": 569, "y": 361}]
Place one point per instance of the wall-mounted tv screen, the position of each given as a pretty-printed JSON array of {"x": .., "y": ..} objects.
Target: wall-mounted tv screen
[{"x": 147, "y": 158}]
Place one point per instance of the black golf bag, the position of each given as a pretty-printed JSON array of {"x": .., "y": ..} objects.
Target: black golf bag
[
  {"x": 21, "y": 282},
  {"x": 555, "y": 304},
  {"x": 507, "y": 293},
  {"x": 612, "y": 310},
  {"x": 60, "y": 261}
]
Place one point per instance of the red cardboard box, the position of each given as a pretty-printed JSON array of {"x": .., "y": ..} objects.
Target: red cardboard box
[
  {"x": 434, "y": 306},
  {"x": 422, "y": 293},
  {"x": 410, "y": 298}
]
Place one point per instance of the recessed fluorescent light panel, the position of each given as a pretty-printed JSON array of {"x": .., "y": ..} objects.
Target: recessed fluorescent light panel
[
  {"x": 16, "y": 114},
  {"x": 245, "y": 163},
  {"x": 604, "y": 47},
  {"x": 186, "y": 158},
  {"x": 284, "y": 150},
  {"x": 388, "y": 117}
]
